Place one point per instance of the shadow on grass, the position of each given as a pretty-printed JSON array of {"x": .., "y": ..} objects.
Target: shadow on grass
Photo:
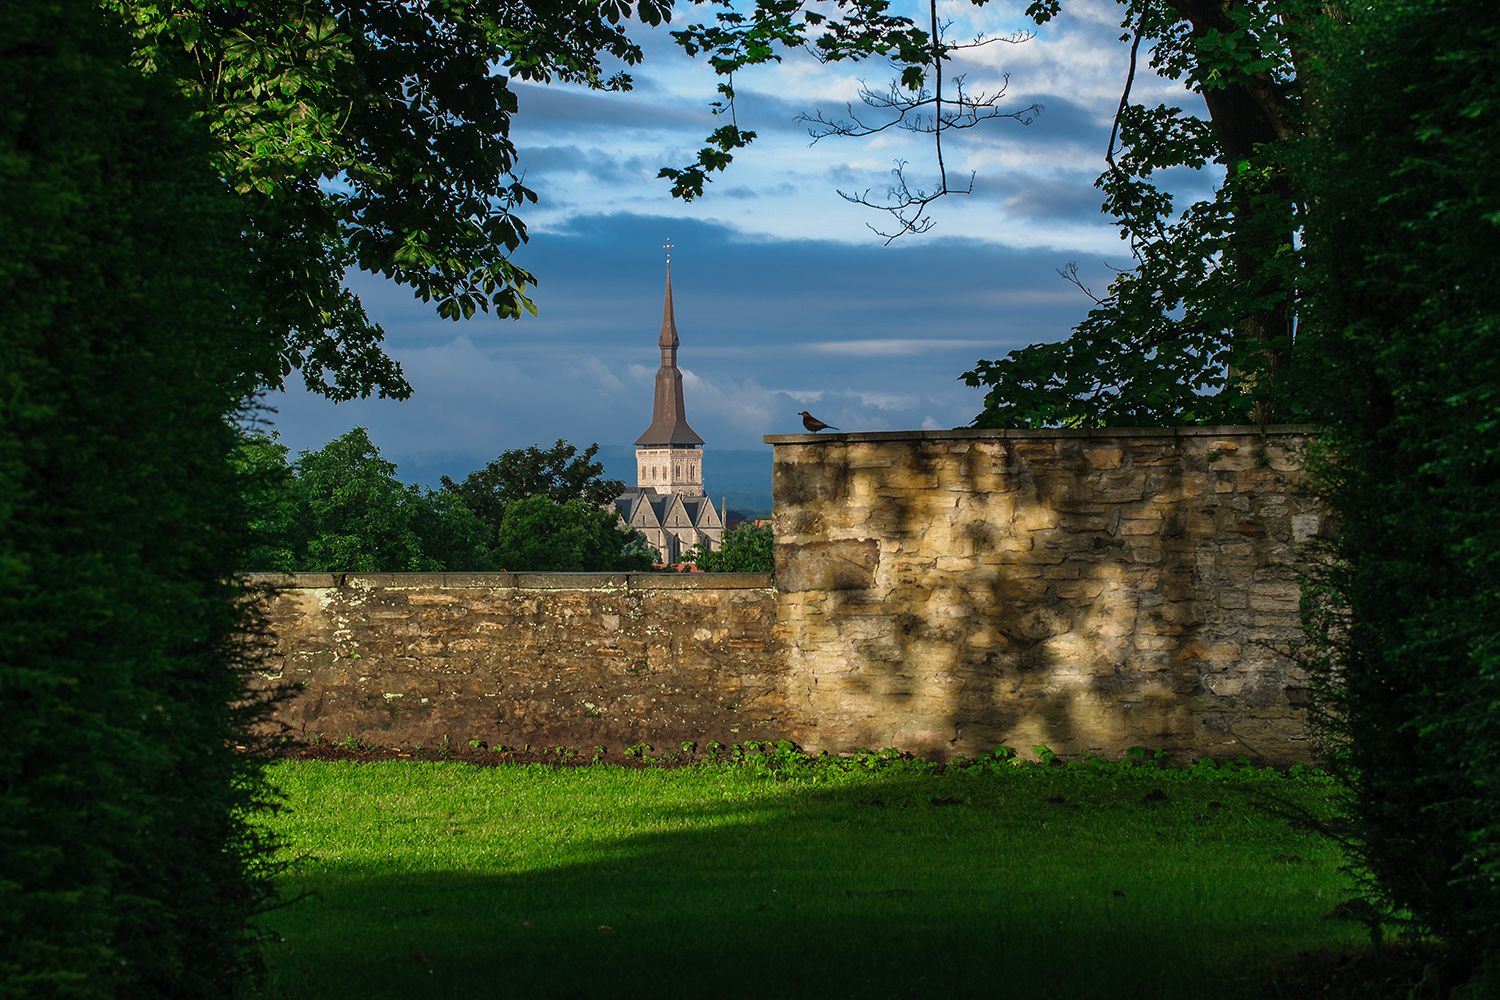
[{"x": 901, "y": 887}]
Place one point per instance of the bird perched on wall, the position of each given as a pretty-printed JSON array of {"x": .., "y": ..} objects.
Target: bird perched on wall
[{"x": 813, "y": 424}]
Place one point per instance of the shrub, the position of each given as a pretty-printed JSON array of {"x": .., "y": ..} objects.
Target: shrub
[
  {"x": 538, "y": 534},
  {"x": 1405, "y": 240},
  {"x": 747, "y": 549},
  {"x": 130, "y": 865}
]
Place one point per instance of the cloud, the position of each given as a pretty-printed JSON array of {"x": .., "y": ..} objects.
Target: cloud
[
  {"x": 613, "y": 145},
  {"x": 1063, "y": 197},
  {"x": 544, "y": 106},
  {"x": 890, "y": 348},
  {"x": 732, "y": 402},
  {"x": 766, "y": 112},
  {"x": 783, "y": 188},
  {"x": 888, "y": 401},
  {"x": 868, "y": 337},
  {"x": 784, "y": 299},
  {"x": 592, "y": 164},
  {"x": 803, "y": 398},
  {"x": 607, "y": 380},
  {"x": 1063, "y": 133}
]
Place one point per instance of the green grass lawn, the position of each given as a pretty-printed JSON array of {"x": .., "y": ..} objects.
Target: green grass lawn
[{"x": 724, "y": 880}]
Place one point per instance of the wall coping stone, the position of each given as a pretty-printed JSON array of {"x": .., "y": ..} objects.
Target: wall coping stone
[
  {"x": 1047, "y": 433},
  {"x": 511, "y": 581}
]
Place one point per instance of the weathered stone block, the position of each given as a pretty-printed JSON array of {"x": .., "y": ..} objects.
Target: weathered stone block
[
  {"x": 1078, "y": 589},
  {"x": 841, "y": 565},
  {"x": 1104, "y": 457}
]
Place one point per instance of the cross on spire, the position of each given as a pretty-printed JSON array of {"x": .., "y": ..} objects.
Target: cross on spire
[{"x": 667, "y": 246}]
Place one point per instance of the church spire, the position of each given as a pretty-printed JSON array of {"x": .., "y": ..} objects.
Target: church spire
[
  {"x": 669, "y": 424},
  {"x": 668, "y": 340}
]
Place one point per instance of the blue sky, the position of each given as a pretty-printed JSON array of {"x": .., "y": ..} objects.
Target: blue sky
[{"x": 785, "y": 300}]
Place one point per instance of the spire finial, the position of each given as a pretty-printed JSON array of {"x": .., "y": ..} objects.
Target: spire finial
[{"x": 667, "y": 246}]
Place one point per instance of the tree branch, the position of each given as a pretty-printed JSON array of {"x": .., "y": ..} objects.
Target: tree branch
[
  {"x": 906, "y": 204},
  {"x": 1114, "y": 130},
  {"x": 1070, "y": 274}
]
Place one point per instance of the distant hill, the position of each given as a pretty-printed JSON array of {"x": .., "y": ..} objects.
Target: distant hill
[
  {"x": 430, "y": 473},
  {"x": 742, "y": 505}
]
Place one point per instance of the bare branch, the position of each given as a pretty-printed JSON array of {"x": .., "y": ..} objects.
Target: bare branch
[
  {"x": 979, "y": 40},
  {"x": 1070, "y": 273},
  {"x": 905, "y": 204},
  {"x": 921, "y": 111}
]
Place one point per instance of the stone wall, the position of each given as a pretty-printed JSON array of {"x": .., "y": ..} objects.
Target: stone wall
[
  {"x": 942, "y": 592},
  {"x": 951, "y": 591},
  {"x": 518, "y": 659}
]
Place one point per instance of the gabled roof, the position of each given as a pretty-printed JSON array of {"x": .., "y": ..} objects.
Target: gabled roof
[
  {"x": 702, "y": 512},
  {"x": 673, "y": 513},
  {"x": 644, "y": 507},
  {"x": 636, "y": 509}
]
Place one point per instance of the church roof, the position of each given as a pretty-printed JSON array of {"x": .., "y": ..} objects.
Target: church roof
[
  {"x": 636, "y": 509},
  {"x": 669, "y": 424},
  {"x": 702, "y": 512},
  {"x": 643, "y": 507}
]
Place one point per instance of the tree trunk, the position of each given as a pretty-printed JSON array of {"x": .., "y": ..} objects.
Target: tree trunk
[{"x": 1247, "y": 115}]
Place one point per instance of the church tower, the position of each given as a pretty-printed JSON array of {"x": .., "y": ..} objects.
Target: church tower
[
  {"x": 669, "y": 456},
  {"x": 666, "y": 504}
]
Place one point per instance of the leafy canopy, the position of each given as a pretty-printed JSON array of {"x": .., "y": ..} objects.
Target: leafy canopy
[
  {"x": 559, "y": 473},
  {"x": 1202, "y": 328},
  {"x": 372, "y": 136},
  {"x": 746, "y": 549},
  {"x": 341, "y": 509},
  {"x": 539, "y": 534}
]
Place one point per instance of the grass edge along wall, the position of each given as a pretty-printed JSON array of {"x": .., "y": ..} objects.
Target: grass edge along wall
[{"x": 944, "y": 592}]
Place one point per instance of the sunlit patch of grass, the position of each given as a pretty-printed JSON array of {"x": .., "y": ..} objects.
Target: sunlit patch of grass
[{"x": 724, "y": 880}]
